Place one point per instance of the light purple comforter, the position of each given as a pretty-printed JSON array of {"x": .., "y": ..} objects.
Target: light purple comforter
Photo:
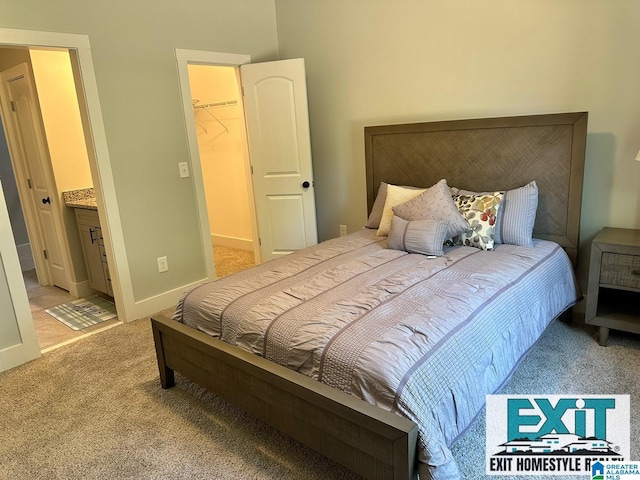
[{"x": 425, "y": 338}]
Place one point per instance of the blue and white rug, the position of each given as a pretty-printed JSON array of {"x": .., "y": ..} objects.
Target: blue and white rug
[{"x": 83, "y": 312}]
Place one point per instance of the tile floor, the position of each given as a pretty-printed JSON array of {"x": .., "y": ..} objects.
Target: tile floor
[{"x": 51, "y": 333}]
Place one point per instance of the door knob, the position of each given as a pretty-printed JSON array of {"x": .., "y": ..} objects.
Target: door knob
[
  {"x": 46, "y": 200},
  {"x": 305, "y": 184}
]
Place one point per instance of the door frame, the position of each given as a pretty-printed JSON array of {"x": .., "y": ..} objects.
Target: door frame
[
  {"x": 98, "y": 152},
  {"x": 29, "y": 349},
  {"x": 201, "y": 57}
]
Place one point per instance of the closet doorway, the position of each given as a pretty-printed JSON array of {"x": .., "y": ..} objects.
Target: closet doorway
[
  {"x": 222, "y": 145},
  {"x": 279, "y": 174}
]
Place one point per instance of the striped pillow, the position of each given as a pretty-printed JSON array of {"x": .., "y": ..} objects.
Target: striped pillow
[
  {"x": 517, "y": 216},
  {"x": 419, "y": 236}
]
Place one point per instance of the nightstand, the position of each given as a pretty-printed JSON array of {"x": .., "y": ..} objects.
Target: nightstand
[{"x": 613, "y": 298}]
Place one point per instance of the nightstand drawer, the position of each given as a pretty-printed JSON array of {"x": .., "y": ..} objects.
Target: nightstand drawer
[{"x": 620, "y": 270}]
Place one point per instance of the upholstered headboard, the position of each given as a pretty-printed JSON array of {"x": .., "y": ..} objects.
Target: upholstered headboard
[{"x": 487, "y": 155}]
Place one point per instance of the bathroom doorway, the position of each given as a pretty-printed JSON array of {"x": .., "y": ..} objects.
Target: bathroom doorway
[{"x": 49, "y": 72}]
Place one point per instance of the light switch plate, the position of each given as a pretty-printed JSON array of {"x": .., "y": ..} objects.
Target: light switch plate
[
  {"x": 163, "y": 264},
  {"x": 184, "y": 169}
]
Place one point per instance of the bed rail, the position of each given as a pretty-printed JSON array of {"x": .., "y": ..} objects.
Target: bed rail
[{"x": 368, "y": 440}]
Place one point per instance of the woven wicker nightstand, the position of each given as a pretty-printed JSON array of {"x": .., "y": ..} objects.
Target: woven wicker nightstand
[{"x": 613, "y": 299}]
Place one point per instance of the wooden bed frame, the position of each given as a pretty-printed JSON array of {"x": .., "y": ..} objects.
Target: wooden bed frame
[{"x": 480, "y": 155}]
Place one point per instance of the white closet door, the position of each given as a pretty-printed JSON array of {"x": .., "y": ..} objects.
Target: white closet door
[{"x": 277, "y": 118}]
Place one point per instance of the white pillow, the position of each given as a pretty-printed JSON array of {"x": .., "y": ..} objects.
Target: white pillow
[
  {"x": 395, "y": 196},
  {"x": 376, "y": 210}
]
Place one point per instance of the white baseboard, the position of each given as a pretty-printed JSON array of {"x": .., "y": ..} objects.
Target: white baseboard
[
  {"x": 232, "y": 242},
  {"x": 15, "y": 355},
  {"x": 80, "y": 289},
  {"x": 149, "y": 306}
]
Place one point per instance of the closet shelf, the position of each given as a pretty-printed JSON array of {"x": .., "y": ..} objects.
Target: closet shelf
[
  {"x": 207, "y": 106},
  {"x": 227, "y": 103}
]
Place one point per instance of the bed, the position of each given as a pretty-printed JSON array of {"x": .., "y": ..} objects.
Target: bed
[{"x": 405, "y": 345}]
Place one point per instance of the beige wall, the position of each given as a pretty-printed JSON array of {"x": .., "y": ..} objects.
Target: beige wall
[
  {"x": 58, "y": 101},
  {"x": 221, "y": 156},
  {"x": 376, "y": 61},
  {"x": 133, "y": 49},
  {"x": 61, "y": 117},
  {"x": 10, "y": 57}
]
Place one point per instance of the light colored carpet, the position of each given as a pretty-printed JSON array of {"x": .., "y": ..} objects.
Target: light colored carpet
[
  {"x": 566, "y": 360},
  {"x": 231, "y": 260},
  {"x": 94, "y": 409}
]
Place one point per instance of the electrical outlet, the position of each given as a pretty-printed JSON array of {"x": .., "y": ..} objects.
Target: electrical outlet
[
  {"x": 184, "y": 169},
  {"x": 163, "y": 265},
  {"x": 343, "y": 230}
]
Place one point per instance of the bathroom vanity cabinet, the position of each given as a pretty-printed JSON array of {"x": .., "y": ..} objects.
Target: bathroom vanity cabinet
[{"x": 95, "y": 256}]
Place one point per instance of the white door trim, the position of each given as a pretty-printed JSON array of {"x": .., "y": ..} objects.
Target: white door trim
[
  {"x": 99, "y": 160},
  {"x": 15, "y": 355},
  {"x": 199, "y": 57}
]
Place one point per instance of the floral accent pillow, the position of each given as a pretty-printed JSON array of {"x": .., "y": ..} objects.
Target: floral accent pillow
[
  {"x": 516, "y": 216},
  {"x": 481, "y": 212}
]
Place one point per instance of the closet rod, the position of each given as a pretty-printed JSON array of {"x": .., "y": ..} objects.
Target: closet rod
[{"x": 227, "y": 103}]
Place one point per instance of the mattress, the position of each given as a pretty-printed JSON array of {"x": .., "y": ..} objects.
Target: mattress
[{"x": 426, "y": 338}]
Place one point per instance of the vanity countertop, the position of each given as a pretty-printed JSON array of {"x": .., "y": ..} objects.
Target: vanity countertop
[{"x": 82, "y": 198}]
